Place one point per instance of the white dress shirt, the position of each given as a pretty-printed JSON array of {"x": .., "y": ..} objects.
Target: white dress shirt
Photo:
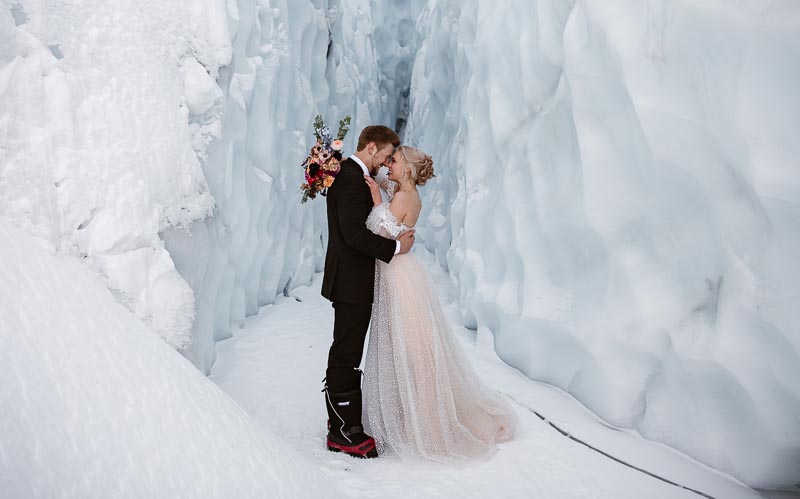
[{"x": 366, "y": 172}]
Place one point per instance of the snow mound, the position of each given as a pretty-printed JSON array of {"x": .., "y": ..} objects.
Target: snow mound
[{"x": 96, "y": 405}]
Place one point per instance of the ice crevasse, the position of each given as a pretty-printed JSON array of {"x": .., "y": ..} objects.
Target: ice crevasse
[{"x": 616, "y": 196}]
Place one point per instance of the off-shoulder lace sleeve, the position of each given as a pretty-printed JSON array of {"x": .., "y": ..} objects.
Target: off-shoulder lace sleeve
[
  {"x": 389, "y": 186},
  {"x": 382, "y": 222}
]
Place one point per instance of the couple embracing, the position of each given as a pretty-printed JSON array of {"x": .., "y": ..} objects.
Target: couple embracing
[{"x": 422, "y": 397}]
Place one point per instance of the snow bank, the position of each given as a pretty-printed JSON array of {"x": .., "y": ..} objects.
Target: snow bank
[
  {"x": 618, "y": 201},
  {"x": 96, "y": 405}
]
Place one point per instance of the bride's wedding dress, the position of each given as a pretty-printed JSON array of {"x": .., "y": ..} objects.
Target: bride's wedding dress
[{"x": 422, "y": 396}]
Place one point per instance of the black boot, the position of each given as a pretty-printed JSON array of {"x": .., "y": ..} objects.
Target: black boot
[{"x": 345, "y": 433}]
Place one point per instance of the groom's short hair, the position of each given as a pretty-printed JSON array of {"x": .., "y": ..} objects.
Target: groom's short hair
[{"x": 379, "y": 134}]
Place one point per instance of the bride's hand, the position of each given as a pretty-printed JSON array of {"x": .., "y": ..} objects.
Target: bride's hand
[{"x": 374, "y": 190}]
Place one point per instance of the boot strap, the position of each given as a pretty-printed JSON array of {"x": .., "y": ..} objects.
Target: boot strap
[{"x": 354, "y": 430}]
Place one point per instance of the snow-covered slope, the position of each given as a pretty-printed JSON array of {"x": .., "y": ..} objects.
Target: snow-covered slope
[
  {"x": 618, "y": 201},
  {"x": 96, "y": 405}
]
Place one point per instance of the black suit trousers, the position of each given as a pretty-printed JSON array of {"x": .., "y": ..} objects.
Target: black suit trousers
[{"x": 350, "y": 325}]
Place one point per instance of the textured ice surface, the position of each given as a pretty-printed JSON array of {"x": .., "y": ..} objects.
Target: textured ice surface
[
  {"x": 291, "y": 60},
  {"x": 618, "y": 202},
  {"x": 95, "y": 151}
]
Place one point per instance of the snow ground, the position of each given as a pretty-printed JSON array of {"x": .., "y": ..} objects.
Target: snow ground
[{"x": 273, "y": 368}]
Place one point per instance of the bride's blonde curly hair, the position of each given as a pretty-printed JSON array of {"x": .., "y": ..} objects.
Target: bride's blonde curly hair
[{"x": 421, "y": 164}]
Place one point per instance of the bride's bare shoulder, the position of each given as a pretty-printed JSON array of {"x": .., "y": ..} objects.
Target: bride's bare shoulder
[
  {"x": 399, "y": 204},
  {"x": 405, "y": 207}
]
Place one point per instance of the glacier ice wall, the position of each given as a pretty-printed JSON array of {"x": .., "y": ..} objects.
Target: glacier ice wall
[
  {"x": 291, "y": 60},
  {"x": 95, "y": 151},
  {"x": 618, "y": 201},
  {"x": 161, "y": 144}
]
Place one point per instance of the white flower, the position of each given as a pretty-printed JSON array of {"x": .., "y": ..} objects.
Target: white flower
[{"x": 337, "y": 145}]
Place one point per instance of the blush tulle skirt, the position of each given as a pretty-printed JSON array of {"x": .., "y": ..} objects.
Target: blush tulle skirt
[{"x": 422, "y": 397}]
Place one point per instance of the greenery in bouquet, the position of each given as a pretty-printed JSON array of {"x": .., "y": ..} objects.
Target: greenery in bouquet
[{"x": 323, "y": 162}]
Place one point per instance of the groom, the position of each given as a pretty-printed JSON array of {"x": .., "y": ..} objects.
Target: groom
[{"x": 349, "y": 284}]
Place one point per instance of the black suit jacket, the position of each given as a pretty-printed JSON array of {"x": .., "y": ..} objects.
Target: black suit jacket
[{"x": 352, "y": 248}]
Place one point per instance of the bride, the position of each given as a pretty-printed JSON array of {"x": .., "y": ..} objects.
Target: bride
[{"x": 422, "y": 396}]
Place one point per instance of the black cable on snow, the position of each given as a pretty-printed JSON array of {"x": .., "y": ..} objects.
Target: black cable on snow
[{"x": 576, "y": 439}]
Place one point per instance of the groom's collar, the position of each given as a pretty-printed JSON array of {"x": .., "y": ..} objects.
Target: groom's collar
[{"x": 361, "y": 164}]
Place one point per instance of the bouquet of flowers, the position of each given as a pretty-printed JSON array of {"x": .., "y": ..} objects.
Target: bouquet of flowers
[{"x": 322, "y": 164}]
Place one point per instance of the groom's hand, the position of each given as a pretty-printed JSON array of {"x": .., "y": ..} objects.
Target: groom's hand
[
  {"x": 406, "y": 241},
  {"x": 374, "y": 190}
]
